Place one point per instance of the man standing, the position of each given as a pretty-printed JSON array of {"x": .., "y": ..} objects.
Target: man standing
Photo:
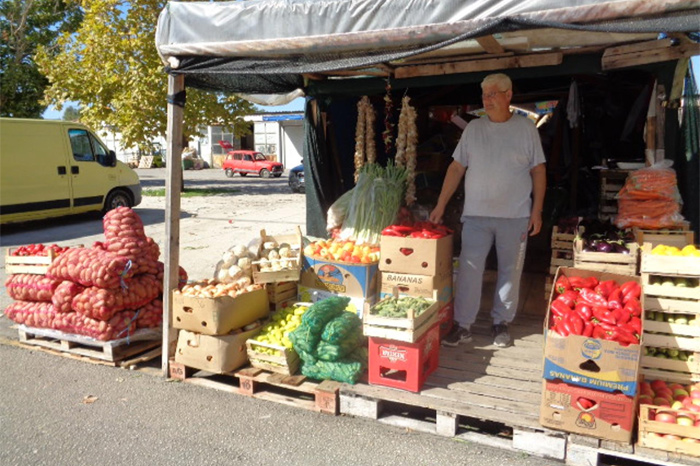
[{"x": 502, "y": 156}]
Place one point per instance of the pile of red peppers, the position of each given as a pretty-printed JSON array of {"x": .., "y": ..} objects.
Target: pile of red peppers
[
  {"x": 597, "y": 309},
  {"x": 427, "y": 230}
]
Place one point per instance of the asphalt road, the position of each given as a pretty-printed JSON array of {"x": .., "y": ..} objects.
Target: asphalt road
[{"x": 138, "y": 418}]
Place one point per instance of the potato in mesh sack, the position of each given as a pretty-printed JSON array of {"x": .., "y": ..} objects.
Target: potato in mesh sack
[
  {"x": 37, "y": 314},
  {"x": 182, "y": 275},
  {"x": 62, "y": 298},
  {"x": 30, "y": 287},
  {"x": 340, "y": 327},
  {"x": 120, "y": 325},
  {"x": 122, "y": 222},
  {"x": 150, "y": 315},
  {"x": 90, "y": 267},
  {"x": 102, "y": 304}
]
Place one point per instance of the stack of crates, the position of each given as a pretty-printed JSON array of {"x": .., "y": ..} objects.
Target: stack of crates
[
  {"x": 562, "y": 256},
  {"x": 611, "y": 182}
]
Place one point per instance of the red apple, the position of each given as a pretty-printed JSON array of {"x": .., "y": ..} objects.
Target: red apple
[
  {"x": 684, "y": 419},
  {"x": 666, "y": 416},
  {"x": 676, "y": 405},
  {"x": 657, "y": 384},
  {"x": 680, "y": 392},
  {"x": 664, "y": 393},
  {"x": 693, "y": 407},
  {"x": 676, "y": 386},
  {"x": 662, "y": 402},
  {"x": 646, "y": 400},
  {"x": 695, "y": 394},
  {"x": 646, "y": 391},
  {"x": 682, "y": 399},
  {"x": 697, "y": 422}
]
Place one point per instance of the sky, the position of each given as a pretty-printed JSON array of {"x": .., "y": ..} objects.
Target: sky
[{"x": 297, "y": 105}]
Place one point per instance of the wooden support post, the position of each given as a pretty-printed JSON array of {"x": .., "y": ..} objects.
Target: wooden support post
[
  {"x": 660, "y": 152},
  {"x": 173, "y": 185}
]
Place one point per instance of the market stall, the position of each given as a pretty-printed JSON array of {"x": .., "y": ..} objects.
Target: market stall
[{"x": 436, "y": 53}]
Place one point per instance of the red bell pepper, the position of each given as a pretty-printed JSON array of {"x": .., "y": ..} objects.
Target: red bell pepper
[
  {"x": 559, "y": 308},
  {"x": 600, "y": 333},
  {"x": 559, "y": 328},
  {"x": 589, "y": 296},
  {"x": 624, "y": 337},
  {"x": 634, "y": 307},
  {"x": 603, "y": 316},
  {"x": 615, "y": 299},
  {"x": 622, "y": 316},
  {"x": 605, "y": 287},
  {"x": 562, "y": 284},
  {"x": 630, "y": 290},
  {"x": 575, "y": 322},
  {"x": 584, "y": 310},
  {"x": 588, "y": 329},
  {"x": 635, "y": 324},
  {"x": 568, "y": 298}
]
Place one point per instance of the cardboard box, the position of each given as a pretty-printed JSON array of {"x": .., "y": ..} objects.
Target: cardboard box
[
  {"x": 218, "y": 316},
  {"x": 590, "y": 362},
  {"x": 312, "y": 295},
  {"x": 415, "y": 255},
  {"x": 611, "y": 417},
  {"x": 438, "y": 287},
  {"x": 213, "y": 353},
  {"x": 345, "y": 278}
]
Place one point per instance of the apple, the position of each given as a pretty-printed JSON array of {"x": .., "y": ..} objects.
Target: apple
[
  {"x": 677, "y": 405},
  {"x": 693, "y": 407},
  {"x": 676, "y": 386},
  {"x": 664, "y": 393},
  {"x": 658, "y": 401},
  {"x": 666, "y": 416},
  {"x": 646, "y": 400},
  {"x": 683, "y": 399},
  {"x": 657, "y": 384},
  {"x": 695, "y": 394},
  {"x": 697, "y": 422},
  {"x": 684, "y": 419}
]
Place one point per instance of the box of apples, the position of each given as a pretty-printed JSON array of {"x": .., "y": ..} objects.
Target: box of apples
[{"x": 669, "y": 416}]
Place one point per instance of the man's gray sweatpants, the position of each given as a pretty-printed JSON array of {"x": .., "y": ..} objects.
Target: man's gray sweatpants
[{"x": 478, "y": 235}]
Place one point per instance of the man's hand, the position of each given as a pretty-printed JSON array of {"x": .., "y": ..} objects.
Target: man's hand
[
  {"x": 436, "y": 214},
  {"x": 535, "y": 224}
]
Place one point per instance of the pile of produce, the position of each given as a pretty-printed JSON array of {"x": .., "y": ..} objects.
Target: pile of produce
[
  {"x": 680, "y": 282},
  {"x": 105, "y": 292},
  {"x": 687, "y": 251},
  {"x": 680, "y": 319},
  {"x": 597, "y": 309},
  {"x": 400, "y": 307},
  {"x": 282, "y": 323},
  {"x": 216, "y": 289},
  {"x": 235, "y": 266},
  {"x": 425, "y": 230},
  {"x": 38, "y": 250},
  {"x": 274, "y": 257},
  {"x": 669, "y": 353},
  {"x": 605, "y": 238},
  {"x": 342, "y": 251},
  {"x": 677, "y": 404},
  {"x": 330, "y": 343}
]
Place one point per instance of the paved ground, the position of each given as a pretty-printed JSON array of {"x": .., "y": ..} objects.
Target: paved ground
[{"x": 143, "y": 419}]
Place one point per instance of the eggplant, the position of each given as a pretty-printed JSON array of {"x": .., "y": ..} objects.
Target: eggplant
[
  {"x": 604, "y": 246},
  {"x": 620, "y": 248}
]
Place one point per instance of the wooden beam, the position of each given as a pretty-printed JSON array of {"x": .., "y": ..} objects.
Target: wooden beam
[
  {"x": 418, "y": 60},
  {"x": 173, "y": 185},
  {"x": 654, "y": 55},
  {"x": 490, "y": 44},
  {"x": 518, "y": 61},
  {"x": 356, "y": 73},
  {"x": 638, "y": 47}
]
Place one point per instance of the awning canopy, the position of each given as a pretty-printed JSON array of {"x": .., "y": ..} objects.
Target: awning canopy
[{"x": 273, "y": 46}]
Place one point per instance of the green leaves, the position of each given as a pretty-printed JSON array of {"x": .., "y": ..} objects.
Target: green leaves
[{"x": 111, "y": 67}]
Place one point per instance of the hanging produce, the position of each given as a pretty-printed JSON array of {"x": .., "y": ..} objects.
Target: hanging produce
[
  {"x": 406, "y": 143},
  {"x": 365, "y": 148},
  {"x": 388, "y": 133}
]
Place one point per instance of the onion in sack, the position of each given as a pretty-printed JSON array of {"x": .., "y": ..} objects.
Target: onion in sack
[
  {"x": 235, "y": 272},
  {"x": 229, "y": 258},
  {"x": 240, "y": 250},
  {"x": 222, "y": 276},
  {"x": 244, "y": 263}
]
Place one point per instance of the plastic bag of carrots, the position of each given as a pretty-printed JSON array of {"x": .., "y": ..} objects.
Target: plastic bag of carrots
[{"x": 650, "y": 199}]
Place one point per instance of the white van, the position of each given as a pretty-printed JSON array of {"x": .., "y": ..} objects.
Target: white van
[{"x": 55, "y": 168}]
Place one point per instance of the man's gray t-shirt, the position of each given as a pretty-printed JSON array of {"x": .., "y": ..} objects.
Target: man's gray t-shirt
[{"x": 499, "y": 157}]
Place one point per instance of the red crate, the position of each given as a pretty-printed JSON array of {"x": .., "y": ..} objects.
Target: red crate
[
  {"x": 404, "y": 365},
  {"x": 446, "y": 317}
]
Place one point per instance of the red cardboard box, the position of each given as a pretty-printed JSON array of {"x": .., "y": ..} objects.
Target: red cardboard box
[
  {"x": 446, "y": 317},
  {"x": 404, "y": 365},
  {"x": 605, "y": 415}
]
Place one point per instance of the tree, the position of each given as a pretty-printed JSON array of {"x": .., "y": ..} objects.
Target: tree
[
  {"x": 71, "y": 113},
  {"x": 112, "y": 68},
  {"x": 24, "y": 25}
]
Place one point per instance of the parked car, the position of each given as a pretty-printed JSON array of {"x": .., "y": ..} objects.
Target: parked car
[
  {"x": 248, "y": 161},
  {"x": 296, "y": 179}
]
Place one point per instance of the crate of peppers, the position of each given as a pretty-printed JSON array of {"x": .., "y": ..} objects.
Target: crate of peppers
[
  {"x": 593, "y": 329},
  {"x": 422, "y": 248}
]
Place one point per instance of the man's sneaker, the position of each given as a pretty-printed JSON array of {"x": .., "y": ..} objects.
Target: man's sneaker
[
  {"x": 456, "y": 336},
  {"x": 501, "y": 337}
]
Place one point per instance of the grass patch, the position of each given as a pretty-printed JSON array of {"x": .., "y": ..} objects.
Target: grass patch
[{"x": 192, "y": 192}]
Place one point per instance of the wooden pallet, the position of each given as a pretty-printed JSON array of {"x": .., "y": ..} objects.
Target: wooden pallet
[
  {"x": 142, "y": 347},
  {"x": 295, "y": 390},
  {"x": 589, "y": 451}
]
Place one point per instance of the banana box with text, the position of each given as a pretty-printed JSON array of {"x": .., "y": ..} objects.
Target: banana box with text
[
  {"x": 416, "y": 255},
  {"x": 585, "y": 411},
  {"x": 591, "y": 362},
  {"x": 312, "y": 295},
  {"x": 438, "y": 287},
  {"x": 345, "y": 278}
]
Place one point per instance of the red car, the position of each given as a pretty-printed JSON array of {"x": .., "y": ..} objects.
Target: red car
[{"x": 250, "y": 161}]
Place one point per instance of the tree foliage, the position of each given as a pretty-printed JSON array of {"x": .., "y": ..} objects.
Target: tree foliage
[
  {"x": 71, "y": 114},
  {"x": 111, "y": 67},
  {"x": 24, "y": 25}
]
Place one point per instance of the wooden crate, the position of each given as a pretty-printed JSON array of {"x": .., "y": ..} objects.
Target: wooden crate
[
  {"x": 616, "y": 263},
  {"x": 286, "y": 362},
  {"x": 281, "y": 291},
  {"x": 663, "y": 303},
  {"x": 651, "y": 287},
  {"x": 688, "y": 266},
  {"x": 286, "y": 275},
  {"x": 650, "y": 432},
  {"x": 563, "y": 241},
  {"x": 679, "y": 238},
  {"x": 28, "y": 264},
  {"x": 689, "y": 369},
  {"x": 408, "y": 329}
]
